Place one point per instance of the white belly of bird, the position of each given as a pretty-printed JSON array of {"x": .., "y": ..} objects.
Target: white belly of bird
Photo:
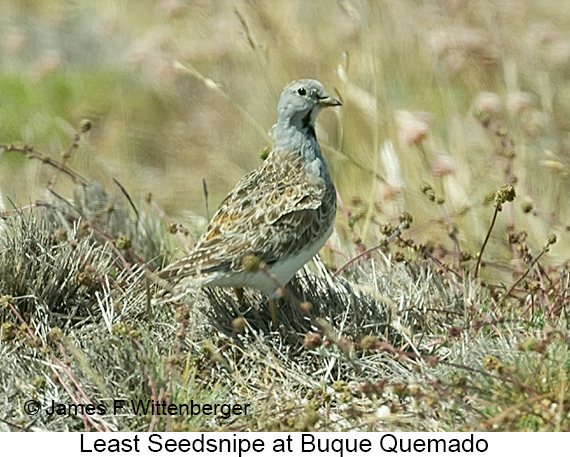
[{"x": 283, "y": 270}]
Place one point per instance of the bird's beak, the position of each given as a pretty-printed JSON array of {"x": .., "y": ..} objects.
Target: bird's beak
[{"x": 329, "y": 101}]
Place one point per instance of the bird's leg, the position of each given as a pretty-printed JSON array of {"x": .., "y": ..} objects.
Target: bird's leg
[
  {"x": 239, "y": 293},
  {"x": 242, "y": 305},
  {"x": 273, "y": 310}
]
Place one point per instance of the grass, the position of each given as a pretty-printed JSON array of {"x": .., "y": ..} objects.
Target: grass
[{"x": 441, "y": 301}]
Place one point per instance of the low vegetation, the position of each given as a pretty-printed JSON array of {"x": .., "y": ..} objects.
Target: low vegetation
[{"x": 441, "y": 301}]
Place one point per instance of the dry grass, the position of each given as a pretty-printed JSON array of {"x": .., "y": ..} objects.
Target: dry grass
[
  {"x": 454, "y": 112},
  {"x": 384, "y": 346}
]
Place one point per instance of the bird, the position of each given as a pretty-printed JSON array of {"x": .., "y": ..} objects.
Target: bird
[{"x": 278, "y": 216}]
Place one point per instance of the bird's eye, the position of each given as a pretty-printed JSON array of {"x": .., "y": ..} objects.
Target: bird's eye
[{"x": 302, "y": 91}]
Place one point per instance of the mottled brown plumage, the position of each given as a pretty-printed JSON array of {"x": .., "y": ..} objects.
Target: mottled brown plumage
[{"x": 282, "y": 213}]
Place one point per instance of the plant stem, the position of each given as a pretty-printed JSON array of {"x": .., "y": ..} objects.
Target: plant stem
[{"x": 478, "y": 265}]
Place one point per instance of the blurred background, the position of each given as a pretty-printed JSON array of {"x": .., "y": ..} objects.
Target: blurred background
[{"x": 444, "y": 102}]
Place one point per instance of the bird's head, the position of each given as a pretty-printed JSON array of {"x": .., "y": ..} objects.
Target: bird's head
[{"x": 301, "y": 101}]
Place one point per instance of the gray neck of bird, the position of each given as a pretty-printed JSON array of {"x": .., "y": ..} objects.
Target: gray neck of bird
[{"x": 290, "y": 136}]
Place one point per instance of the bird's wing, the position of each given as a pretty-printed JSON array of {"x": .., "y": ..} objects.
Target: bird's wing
[{"x": 270, "y": 213}]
